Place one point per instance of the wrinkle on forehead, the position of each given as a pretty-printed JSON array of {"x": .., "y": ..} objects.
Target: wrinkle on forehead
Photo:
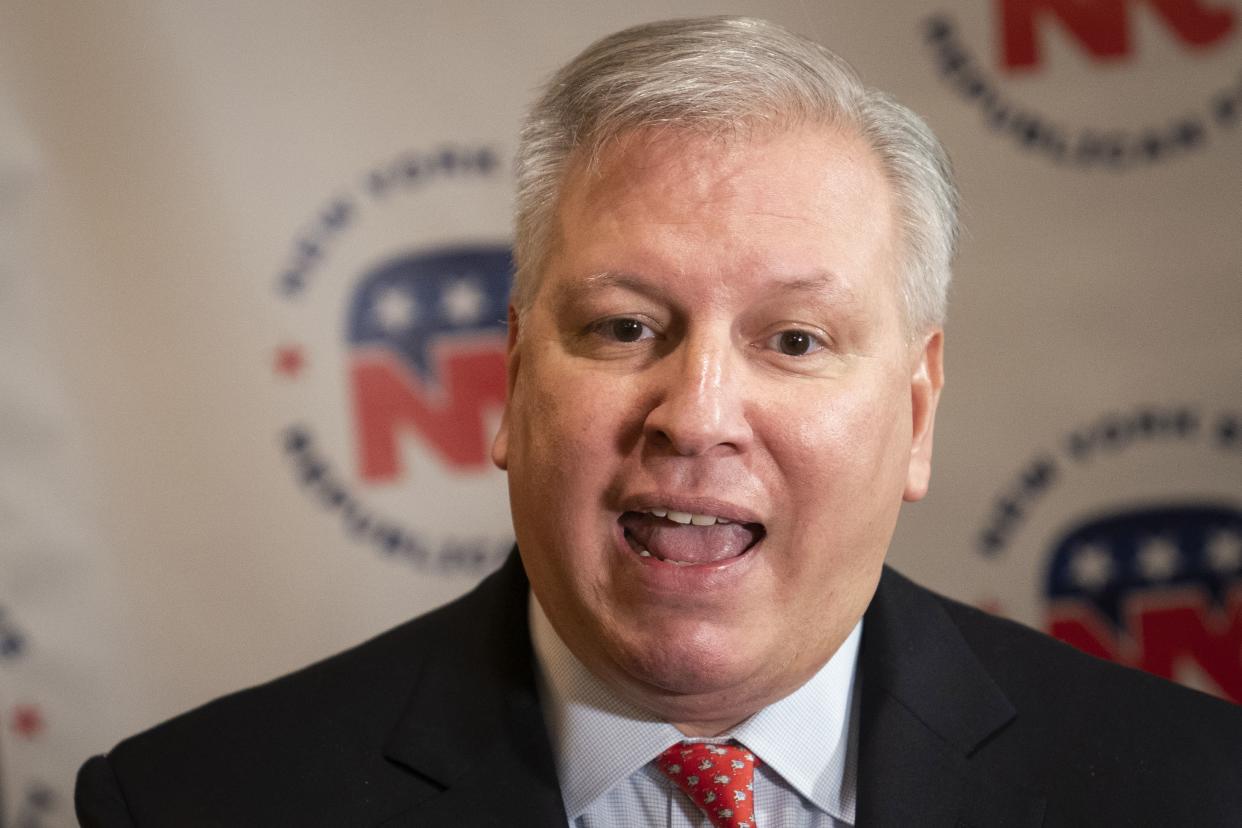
[
  {"x": 681, "y": 179},
  {"x": 701, "y": 167},
  {"x": 694, "y": 168},
  {"x": 820, "y": 284}
]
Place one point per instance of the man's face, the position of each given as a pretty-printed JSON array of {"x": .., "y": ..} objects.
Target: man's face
[{"x": 717, "y": 337}]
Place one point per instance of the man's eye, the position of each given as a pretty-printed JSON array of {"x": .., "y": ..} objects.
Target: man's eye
[
  {"x": 795, "y": 343},
  {"x": 625, "y": 329}
]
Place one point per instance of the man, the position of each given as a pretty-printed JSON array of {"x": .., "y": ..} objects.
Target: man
[{"x": 725, "y": 356}]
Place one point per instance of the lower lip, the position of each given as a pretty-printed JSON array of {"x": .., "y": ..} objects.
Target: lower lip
[{"x": 662, "y": 576}]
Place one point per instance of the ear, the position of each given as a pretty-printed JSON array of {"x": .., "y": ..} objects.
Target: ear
[
  {"x": 925, "y": 383},
  {"x": 500, "y": 446}
]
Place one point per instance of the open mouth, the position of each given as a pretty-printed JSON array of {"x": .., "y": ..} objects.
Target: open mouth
[{"x": 686, "y": 539}]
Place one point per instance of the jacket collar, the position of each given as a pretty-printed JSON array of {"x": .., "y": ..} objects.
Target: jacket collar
[
  {"x": 474, "y": 728},
  {"x": 927, "y": 705},
  {"x": 473, "y": 724}
]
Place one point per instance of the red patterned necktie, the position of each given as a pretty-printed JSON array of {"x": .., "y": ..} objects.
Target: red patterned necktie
[{"x": 717, "y": 778}]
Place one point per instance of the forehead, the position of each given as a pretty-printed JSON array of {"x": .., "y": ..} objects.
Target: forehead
[
  {"x": 739, "y": 209},
  {"x": 798, "y": 162}
]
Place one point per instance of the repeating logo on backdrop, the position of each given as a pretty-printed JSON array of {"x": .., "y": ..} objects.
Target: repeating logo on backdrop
[
  {"x": 24, "y": 727},
  {"x": 1154, "y": 587},
  {"x": 426, "y": 355},
  {"x": 413, "y": 366},
  {"x": 1155, "y": 584},
  {"x": 1097, "y": 83}
]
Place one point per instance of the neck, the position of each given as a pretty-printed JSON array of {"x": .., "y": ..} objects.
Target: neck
[{"x": 699, "y": 730}]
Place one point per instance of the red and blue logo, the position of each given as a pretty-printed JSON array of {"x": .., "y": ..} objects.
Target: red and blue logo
[
  {"x": 427, "y": 338},
  {"x": 394, "y": 361},
  {"x": 1157, "y": 588},
  {"x": 1096, "y": 84},
  {"x": 1124, "y": 539}
]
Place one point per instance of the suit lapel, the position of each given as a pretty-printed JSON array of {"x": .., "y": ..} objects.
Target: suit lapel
[
  {"x": 927, "y": 705},
  {"x": 473, "y": 726}
]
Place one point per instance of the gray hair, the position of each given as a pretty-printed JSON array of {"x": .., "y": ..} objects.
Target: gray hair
[{"x": 719, "y": 75}]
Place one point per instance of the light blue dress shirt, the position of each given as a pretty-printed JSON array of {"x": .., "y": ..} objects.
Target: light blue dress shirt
[{"x": 806, "y": 743}]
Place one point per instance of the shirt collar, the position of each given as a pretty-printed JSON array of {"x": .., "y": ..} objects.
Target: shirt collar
[{"x": 804, "y": 737}]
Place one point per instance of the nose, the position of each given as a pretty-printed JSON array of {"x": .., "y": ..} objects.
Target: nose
[{"x": 700, "y": 404}]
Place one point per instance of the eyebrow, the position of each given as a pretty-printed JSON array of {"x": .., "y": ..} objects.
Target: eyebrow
[
  {"x": 822, "y": 283},
  {"x": 610, "y": 278}
]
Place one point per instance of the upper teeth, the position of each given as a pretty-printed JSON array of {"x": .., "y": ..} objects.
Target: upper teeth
[{"x": 688, "y": 517}]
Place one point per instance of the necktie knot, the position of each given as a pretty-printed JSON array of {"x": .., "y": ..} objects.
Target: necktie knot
[{"x": 718, "y": 779}]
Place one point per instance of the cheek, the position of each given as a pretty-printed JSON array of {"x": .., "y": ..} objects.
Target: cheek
[
  {"x": 575, "y": 411},
  {"x": 841, "y": 455},
  {"x": 566, "y": 429},
  {"x": 832, "y": 427},
  {"x": 560, "y": 423}
]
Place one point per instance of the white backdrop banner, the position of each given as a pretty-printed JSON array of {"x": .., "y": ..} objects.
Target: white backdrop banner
[{"x": 253, "y": 267}]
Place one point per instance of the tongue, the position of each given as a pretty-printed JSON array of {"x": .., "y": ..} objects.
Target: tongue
[{"x": 688, "y": 543}]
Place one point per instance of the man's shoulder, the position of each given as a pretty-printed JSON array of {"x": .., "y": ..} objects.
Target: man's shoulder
[
  {"x": 305, "y": 740},
  {"x": 1033, "y": 667},
  {"x": 1095, "y": 736}
]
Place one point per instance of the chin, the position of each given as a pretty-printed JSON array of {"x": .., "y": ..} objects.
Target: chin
[{"x": 677, "y": 665}]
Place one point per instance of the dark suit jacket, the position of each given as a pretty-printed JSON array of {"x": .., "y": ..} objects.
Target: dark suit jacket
[{"x": 966, "y": 719}]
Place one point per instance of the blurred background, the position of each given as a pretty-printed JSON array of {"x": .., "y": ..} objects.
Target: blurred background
[{"x": 253, "y": 263}]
